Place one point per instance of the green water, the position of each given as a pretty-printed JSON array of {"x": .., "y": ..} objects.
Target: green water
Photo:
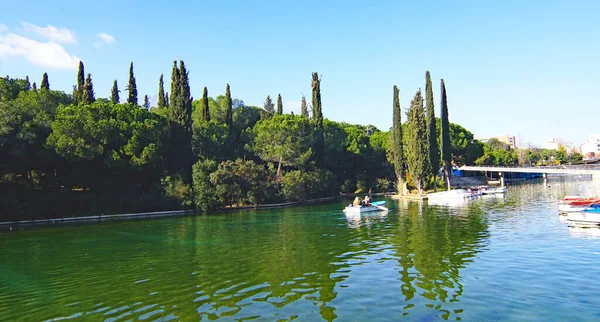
[{"x": 508, "y": 258}]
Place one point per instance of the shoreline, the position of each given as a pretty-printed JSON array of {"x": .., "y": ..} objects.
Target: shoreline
[{"x": 10, "y": 225}]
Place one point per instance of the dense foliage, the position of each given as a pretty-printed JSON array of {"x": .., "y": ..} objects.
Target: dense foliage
[{"x": 75, "y": 154}]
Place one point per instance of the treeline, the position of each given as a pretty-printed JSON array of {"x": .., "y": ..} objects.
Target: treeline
[
  {"x": 499, "y": 153},
  {"x": 63, "y": 155}
]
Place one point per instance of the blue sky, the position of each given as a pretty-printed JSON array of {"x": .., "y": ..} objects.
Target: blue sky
[{"x": 525, "y": 68}]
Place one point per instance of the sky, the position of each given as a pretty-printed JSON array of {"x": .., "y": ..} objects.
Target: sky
[{"x": 525, "y": 68}]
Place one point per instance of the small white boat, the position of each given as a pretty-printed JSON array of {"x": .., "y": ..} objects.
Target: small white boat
[
  {"x": 450, "y": 194},
  {"x": 584, "y": 218},
  {"x": 493, "y": 190},
  {"x": 374, "y": 206},
  {"x": 567, "y": 208}
]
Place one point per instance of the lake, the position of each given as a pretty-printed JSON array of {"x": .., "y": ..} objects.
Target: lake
[{"x": 511, "y": 258}]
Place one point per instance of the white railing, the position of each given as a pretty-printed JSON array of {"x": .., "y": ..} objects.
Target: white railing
[{"x": 562, "y": 169}]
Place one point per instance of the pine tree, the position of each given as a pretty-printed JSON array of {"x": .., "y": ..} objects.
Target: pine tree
[
  {"x": 318, "y": 119},
  {"x": 397, "y": 147},
  {"x": 80, "y": 82},
  {"x": 114, "y": 93},
  {"x": 27, "y": 83},
  {"x": 303, "y": 107},
  {"x": 434, "y": 151},
  {"x": 88, "y": 91},
  {"x": 417, "y": 154},
  {"x": 132, "y": 87},
  {"x": 45, "y": 84},
  {"x": 34, "y": 87},
  {"x": 146, "y": 102},
  {"x": 161, "y": 92},
  {"x": 205, "y": 113},
  {"x": 279, "y": 105},
  {"x": 229, "y": 109},
  {"x": 446, "y": 145},
  {"x": 269, "y": 106}
]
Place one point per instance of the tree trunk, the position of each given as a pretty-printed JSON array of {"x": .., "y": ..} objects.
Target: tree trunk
[
  {"x": 400, "y": 186},
  {"x": 279, "y": 167},
  {"x": 419, "y": 187},
  {"x": 434, "y": 183}
]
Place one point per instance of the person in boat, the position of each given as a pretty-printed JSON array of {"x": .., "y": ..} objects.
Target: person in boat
[
  {"x": 367, "y": 200},
  {"x": 356, "y": 202}
]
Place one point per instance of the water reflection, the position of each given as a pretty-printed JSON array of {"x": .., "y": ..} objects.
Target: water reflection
[
  {"x": 365, "y": 220},
  {"x": 586, "y": 232}
]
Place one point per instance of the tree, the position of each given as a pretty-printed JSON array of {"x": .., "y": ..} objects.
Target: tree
[
  {"x": 80, "y": 82},
  {"x": 205, "y": 192},
  {"x": 397, "y": 148},
  {"x": 228, "y": 109},
  {"x": 205, "y": 113},
  {"x": 445, "y": 133},
  {"x": 417, "y": 154},
  {"x": 240, "y": 181},
  {"x": 28, "y": 85},
  {"x": 146, "y": 101},
  {"x": 303, "y": 107},
  {"x": 318, "y": 118},
  {"x": 132, "y": 87},
  {"x": 283, "y": 139},
  {"x": 434, "y": 151},
  {"x": 34, "y": 87},
  {"x": 269, "y": 106},
  {"x": 161, "y": 92},
  {"x": 167, "y": 99},
  {"x": 279, "y": 105},
  {"x": 88, "y": 91},
  {"x": 114, "y": 93},
  {"x": 180, "y": 116},
  {"x": 45, "y": 85}
]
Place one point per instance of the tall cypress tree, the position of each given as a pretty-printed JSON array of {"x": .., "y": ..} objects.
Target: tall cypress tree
[
  {"x": 174, "y": 86},
  {"x": 34, "y": 87},
  {"x": 318, "y": 119},
  {"x": 80, "y": 82},
  {"x": 146, "y": 101},
  {"x": 446, "y": 145},
  {"x": 279, "y": 105},
  {"x": 27, "y": 83},
  {"x": 417, "y": 154},
  {"x": 180, "y": 115},
  {"x": 303, "y": 107},
  {"x": 205, "y": 113},
  {"x": 161, "y": 92},
  {"x": 228, "y": 109},
  {"x": 45, "y": 84},
  {"x": 88, "y": 91},
  {"x": 132, "y": 87},
  {"x": 167, "y": 99},
  {"x": 114, "y": 93},
  {"x": 434, "y": 151},
  {"x": 269, "y": 106},
  {"x": 397, "y": 148}
]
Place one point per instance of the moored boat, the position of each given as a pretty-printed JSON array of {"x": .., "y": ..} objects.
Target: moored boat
[
  {"x": 575, "y": 204},
  {"x": 374, "y": 206},
  {"x": 450, "y": 194}
]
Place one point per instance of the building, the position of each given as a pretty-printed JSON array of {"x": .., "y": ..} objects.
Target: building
[
  {"x": 591, "y": 148},
  {"x": 552, "y": 144},
  {"x": 508, "y": 139}
]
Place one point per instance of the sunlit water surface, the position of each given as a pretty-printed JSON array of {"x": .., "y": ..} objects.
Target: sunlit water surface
[{"x": 510, "y": 258}]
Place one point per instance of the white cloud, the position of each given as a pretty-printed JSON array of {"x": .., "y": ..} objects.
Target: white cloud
[
  {"x": 104, "y": 39},
  {"x": 46, "y": 54},
  {"x": 60, "y": 35}
]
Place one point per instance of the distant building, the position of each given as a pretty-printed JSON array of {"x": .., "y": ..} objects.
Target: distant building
[
  {"x": 552, "y": 144},
  {"x": 508, "y": 139},
  {"x": 591, "y": 148}
]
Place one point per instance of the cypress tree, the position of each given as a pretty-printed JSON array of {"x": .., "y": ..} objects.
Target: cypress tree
[
  {"x": 174, "y": 85},
  {"x": 434, "y": 151},
  {"x": 45, "y": 85},
  {"x": 318, "y": 119},
  {"x": 114, "y": 93},
  {"x": 27, "y": 83},
  {"x": 180, "y": 116},
  {"x": 417, "y": 154},
  {"x": 229, "y": 109},
  {"x": 205, "y": 113},
  {"x": 269, "y": 106},
  {"x": 167, "y": 99},
  {"x": 132, "y": 87},
  {"x": 88, "y": 91},
  {"x": 303, "y": 107},
  {"x": 34, "y": 86},
  {"x": 80, "y": 82},
  {"x": 397, "y": 144},
  {"x": 161, "y": 92},
  {"x": 279, "y": 105},
  {"x": 146, "y": 101},
  {"x": 446, "y": 145}
]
